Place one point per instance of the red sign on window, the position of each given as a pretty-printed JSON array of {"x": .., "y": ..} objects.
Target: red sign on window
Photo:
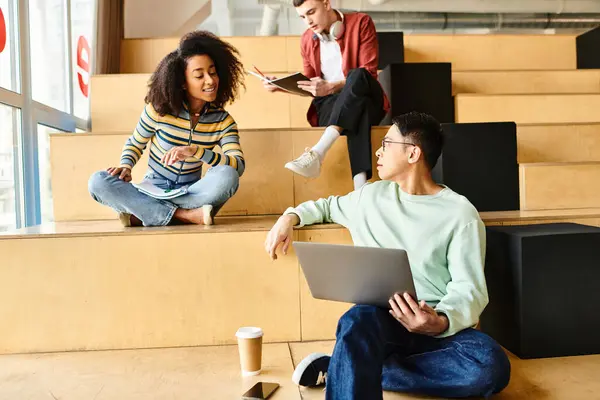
[
  {"x": 2, "y": 32},
  {"x": 83, "y": 48}
]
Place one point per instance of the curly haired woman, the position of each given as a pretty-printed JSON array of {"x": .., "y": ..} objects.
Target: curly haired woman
[{"x": 183, "y": 121}]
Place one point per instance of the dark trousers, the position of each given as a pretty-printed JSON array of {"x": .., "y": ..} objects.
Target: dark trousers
[
  {"x": 374, "y": 352},
  {"x": 357, "y": 108}
]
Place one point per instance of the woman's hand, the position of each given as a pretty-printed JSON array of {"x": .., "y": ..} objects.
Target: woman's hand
[
  {"x": 269, "y": 86},
  {"x": 124, "y": 173},
  {"x": 178, "y": 153}
]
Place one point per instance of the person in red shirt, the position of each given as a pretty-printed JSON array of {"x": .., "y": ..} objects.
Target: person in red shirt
[{"x": 340, "y": 54}]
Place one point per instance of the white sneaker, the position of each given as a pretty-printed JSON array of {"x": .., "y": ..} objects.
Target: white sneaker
[
  {"x": 312, "y": 370},
  {"x": 207, "y": 214},
  {"x": 125, "y": 219},
  {"x": 128, "y": 220},
  {"x": 308, "y": 164}
]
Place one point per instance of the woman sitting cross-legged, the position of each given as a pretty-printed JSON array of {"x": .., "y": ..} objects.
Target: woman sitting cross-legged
[{"x": 183, "y": 121}]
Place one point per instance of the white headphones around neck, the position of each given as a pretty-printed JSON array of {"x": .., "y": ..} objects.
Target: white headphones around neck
[{"x": 336, "y": 31}]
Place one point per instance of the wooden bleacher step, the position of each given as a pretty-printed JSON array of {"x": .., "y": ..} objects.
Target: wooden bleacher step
[
  {"x": 258, "y": 109},
  {"x": 270, "y": 54},
  {"x": 526, "y": 82},
  {"x": 255, "y": 109},
  {"x": 528, "y": 108},
  {"x": 143, "y": 289},
  {"x": 465, "y": 52},
  {"x": 266, "y": 152},
  {"x": 558, "y": 143},
  {"x": 548, "y": 186},
  {"x": 92, "y": 283},
  {"x": 493, "y": 52}
]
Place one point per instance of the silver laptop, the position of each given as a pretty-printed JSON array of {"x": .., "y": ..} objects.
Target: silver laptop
[{"x": 352, "y": 274}]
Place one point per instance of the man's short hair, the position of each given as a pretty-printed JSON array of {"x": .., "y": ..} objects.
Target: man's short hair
[
  {"x": 424, "y": 131},
  {"x": 298, "y": 3}
]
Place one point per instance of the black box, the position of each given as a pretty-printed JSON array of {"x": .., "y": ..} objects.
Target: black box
[
  {"x": 423, "y": 87},
  {"x": 479, "y": 161},
  {"x": 588, "y": 49},
  {"x": 391, "y": 48},
  {"x": 542, "y": 282}
]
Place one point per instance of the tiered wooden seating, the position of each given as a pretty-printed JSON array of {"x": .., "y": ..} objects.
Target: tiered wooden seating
[
  {"x": 266, "y": 152},
  {"x": 268, "y": 53},
  {"x": 560, "y": 185},
  {"x": 465, "y": 52},
  {"x": 93, "y": 282},
  {"x": 72, "y": 158},
  {"x": 266, "y": 187},
  {"x": 277, "y": 55},
  {"x": 555, "y": 143},
  {"x": 143, "y": 288},
  {"x": 97, "y": 285},
  {"x": 526, "y": 82},
  {"x": 255, "y": 109},
  {"x": 117, "y": 101},
  {"x": 528, "y": 108},
  {"x": 493, "y": 52}
]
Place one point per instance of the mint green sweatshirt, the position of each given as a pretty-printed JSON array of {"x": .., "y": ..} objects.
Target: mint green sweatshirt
[{"x": 442, "y": 234}]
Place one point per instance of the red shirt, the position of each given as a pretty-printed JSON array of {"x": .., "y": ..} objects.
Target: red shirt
[{"x": 359, "y": 48}]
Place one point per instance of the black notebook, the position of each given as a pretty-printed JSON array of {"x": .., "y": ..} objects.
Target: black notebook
[{"x": 287, "y": 83}]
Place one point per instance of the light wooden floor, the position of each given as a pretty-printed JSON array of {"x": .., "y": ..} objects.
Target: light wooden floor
[{"x": 213, "y": 373}]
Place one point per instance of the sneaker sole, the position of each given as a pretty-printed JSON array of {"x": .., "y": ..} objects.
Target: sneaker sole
[
  {"x": 206, "y": 214},
  {"x": 299, "y": 371},
  {"x": 300, "y": 171},
  {"x": 125, "y": 219}
]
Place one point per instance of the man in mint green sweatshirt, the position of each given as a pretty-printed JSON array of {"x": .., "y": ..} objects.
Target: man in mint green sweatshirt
[{"x": 430, "y": 347}]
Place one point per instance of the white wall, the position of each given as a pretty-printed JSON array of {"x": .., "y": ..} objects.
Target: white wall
[
  {"x": 247, "y": 16},
  {"x": 160, "y": 18}
]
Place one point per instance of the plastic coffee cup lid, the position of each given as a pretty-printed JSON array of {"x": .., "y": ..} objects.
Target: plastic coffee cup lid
[{"x": 249, "y": 332}]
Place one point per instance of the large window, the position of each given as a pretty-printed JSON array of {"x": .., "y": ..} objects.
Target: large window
[
  {"x": 82, "y": 12},
  {"x": 8, "y": 47},
  {"x": 9, "y": 194},
  {"x": 49, "y": 61},
  {"x": 46, "y": 204},
  {"x": 9, "y": 66},
  {"x": 45, "y": 64}
]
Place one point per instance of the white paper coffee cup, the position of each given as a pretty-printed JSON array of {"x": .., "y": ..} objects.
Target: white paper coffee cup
[{"x": 250, "y": 349}]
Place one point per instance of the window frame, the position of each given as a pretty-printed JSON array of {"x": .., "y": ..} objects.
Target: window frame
[{"x": 33, "y": 113}]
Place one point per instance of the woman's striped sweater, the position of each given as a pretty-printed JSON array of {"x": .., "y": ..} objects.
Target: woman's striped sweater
[{"x": 214, "y": 128}]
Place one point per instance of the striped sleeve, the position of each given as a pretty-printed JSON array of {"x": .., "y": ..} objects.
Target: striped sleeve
[
  {"x": 230, "y": 145},
  {"x": 143, "y": 133}
]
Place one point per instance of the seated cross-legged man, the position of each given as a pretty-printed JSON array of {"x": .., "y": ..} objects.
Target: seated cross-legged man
[
  {"x": 340, "y": 55},
  {"x": 427, "y": 347},
  {"x": 183, "y": 121}
]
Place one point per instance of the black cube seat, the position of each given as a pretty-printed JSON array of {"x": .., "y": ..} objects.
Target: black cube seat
[
  {"x": 543, "y": 287},
  {"x": 423, "y": 87},
  {"x": 479, "y": 161},
  {"x": 588, "y": 43}
]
